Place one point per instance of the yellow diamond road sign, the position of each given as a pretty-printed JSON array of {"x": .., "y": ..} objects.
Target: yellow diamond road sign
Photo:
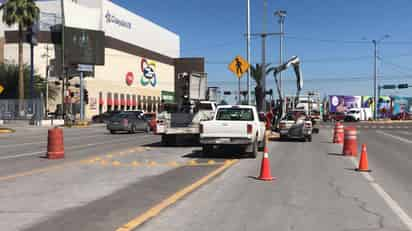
[
  {"x": 1, "y": 88},
  {"x": 239, "y": 66}
]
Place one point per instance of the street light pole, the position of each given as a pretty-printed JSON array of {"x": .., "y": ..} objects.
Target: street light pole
[
  {"x": 248, "y": 51},
  {"x": 375, "y": 80},
  {"x": 282, "y": 15}
]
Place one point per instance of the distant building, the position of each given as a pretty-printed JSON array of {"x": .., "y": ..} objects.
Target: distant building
[{"x": 140, "y": 56}]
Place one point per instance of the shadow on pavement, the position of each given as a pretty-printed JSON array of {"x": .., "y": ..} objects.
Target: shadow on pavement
[
  {"x": 159, "y": 144},
  {"x": 218, "y": 154},
  {"x": 335, "y": 154}
]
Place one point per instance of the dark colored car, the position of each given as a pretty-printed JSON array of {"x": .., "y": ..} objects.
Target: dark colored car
[
  {"x": 129, "y": 121},
  {"x": 151, "y": 120},
  {"x": 402, "y": 116},
  {"x": 336, "y": 116},
  {"x": 104, "y": 117}
]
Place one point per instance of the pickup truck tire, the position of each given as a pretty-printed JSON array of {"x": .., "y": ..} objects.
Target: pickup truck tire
[
  {"x": 254, "y": 152},
  {"x": 308, "y": 138},
  {"x": 262, "y": 145},
  {"x": 207, "y": 149}
]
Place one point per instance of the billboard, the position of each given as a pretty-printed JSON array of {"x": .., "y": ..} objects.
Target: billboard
[
  {"x": 384, "y": 105},
  {"x": 341, "y": 103},
  {"x": 82, "y": 46}
]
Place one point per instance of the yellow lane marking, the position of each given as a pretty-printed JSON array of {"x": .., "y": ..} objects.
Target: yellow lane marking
[
  {"x": 58, "y": 166},
  {"x": 155, "y": 210},
  {"x": 192, "y": 163}
]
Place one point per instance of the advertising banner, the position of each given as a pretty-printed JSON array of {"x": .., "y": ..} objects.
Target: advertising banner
[
  {"x": 400, "y": 104},
  {"x": 384, "y": 105},
  {"x": 340, "y": 103}
]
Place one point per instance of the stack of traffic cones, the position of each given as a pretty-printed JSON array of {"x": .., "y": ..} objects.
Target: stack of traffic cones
[{"x": 265, "y": 167}]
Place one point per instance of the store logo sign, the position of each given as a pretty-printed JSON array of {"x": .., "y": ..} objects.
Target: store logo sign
[
  {"x": 110, "y": 18},
  {"x": 149, "y": 76},
  {"x": 129, "y": 78}
]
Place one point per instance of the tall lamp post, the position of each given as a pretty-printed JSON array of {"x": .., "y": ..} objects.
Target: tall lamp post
[
  {"x": 375, "y": 74},
  {"x": 282, "y": 15}
]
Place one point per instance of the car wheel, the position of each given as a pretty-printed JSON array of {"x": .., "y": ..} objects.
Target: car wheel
[
  {"x": 112, "y": 131},
  {"x": 207, "y": 149},
  {"x": 254, "y": 152},
  {"x": 308, "y": 138},
  {"x": 133, "y": 129}
]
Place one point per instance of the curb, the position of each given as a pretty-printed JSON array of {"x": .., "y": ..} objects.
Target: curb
[{"x": 6, "y": 130}]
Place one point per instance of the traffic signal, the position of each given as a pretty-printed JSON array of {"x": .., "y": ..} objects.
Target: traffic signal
[
  {"x": 86, "y": 96},
  {"x": 403, "y": 86},
  {"x": 227, "y": 93}
]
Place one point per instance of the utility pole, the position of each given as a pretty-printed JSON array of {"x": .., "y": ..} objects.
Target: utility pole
[
  {"x": 282, "y": 15},
  {"x": 263, "y": 72},
  {"x": 47, "y": 56},
  {"x": 249, "y": 98}
]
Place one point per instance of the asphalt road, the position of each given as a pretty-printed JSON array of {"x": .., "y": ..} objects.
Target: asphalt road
[
  {"x": 316, "y": 189},
  {"x": 104, "y": 185}
]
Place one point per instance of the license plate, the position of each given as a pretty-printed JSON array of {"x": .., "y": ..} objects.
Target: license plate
[{"x": 223, "y": 140}]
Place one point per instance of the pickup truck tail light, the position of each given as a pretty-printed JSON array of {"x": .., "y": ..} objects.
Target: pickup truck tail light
[
  {"x": 159, "y": 121},
  {"x": 249, "y": 129},
  {"x": 125, "y": 122},
  {"x": 201, "y": 128},
  {"x": 307, "y": 125}
]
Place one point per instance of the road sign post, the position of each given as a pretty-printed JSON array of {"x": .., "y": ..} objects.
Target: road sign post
[
  {"x": 239, "y": 66},
  {"x": 83, "y": 68}
]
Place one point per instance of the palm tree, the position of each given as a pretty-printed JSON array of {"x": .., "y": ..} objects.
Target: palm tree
[
  {"x": 23, "y": 13},
  {"x": 256, "y": 74}
]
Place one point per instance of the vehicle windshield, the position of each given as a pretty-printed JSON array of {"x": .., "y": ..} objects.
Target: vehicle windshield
[
  {"x": 148, "y": 116},
  {"x": 239, "y": 114},
  {"x": 205, "y": 106}
]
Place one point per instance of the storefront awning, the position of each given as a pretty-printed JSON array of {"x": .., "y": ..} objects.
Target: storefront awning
[
  {"x": 122, "y": 102},
  {"x": 128, "y": 102},
  {"x": 116, "y": 102},
  {"x": 101, "y": 101}
]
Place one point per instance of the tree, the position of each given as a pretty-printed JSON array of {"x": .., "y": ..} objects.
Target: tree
[
  {"x": 8, "y": 74},
  {"x": 23, "y": 13},
  {"x": 256, "y": 74}
]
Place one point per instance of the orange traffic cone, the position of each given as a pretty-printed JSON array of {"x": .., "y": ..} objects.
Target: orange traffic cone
[
  {"x": 265, "y": 167},
  {"x": 363, "y": 162}
]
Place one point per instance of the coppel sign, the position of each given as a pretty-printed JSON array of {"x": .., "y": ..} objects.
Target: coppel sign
[{"x": 113, "y": 19}]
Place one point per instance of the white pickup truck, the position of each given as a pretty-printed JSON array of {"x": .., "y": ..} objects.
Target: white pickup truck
[{"x": 239, "y": 126}]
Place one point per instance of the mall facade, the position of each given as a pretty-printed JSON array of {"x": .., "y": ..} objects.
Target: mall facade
[{"x": 140, "y": 56}]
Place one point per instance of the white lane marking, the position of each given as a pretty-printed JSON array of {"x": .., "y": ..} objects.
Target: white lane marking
[
  {"x": 45, "y": 142},
  {"x": 395, "y": 137},
  {"x": 71, "y": 148},
  {"x": 396, "y": 208}
]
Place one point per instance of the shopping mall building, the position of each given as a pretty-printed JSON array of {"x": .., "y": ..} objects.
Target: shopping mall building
[{"x": 139, "y": 56}]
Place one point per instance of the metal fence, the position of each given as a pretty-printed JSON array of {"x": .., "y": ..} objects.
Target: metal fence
[{"x": 14, "y": 109}]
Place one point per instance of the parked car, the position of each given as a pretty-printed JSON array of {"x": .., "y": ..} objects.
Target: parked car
[
  {"x": 358, "y": 114},
  {"x": 151, "y": 119},
  {"x": 296, "y": 125},
  {"x": 104, "y": 117},
  {"x": 335, "y": 116},
  {"x": 402, "y": 116},
  {"x": 237, "y": 125},
  {"x": 128, "y": 121}
]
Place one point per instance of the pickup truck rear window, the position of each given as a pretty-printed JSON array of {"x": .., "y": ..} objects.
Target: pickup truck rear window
[{"x": 239, "y": 114}]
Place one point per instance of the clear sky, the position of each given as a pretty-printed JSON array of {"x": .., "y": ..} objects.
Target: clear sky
[{"x": 332, "y": 38}]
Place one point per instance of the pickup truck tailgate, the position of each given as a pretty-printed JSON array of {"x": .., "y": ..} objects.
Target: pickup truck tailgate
[{"x": 235, "y": 129}]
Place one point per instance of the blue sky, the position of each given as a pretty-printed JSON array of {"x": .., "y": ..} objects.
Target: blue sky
[{"x": 332, "y": 38}]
